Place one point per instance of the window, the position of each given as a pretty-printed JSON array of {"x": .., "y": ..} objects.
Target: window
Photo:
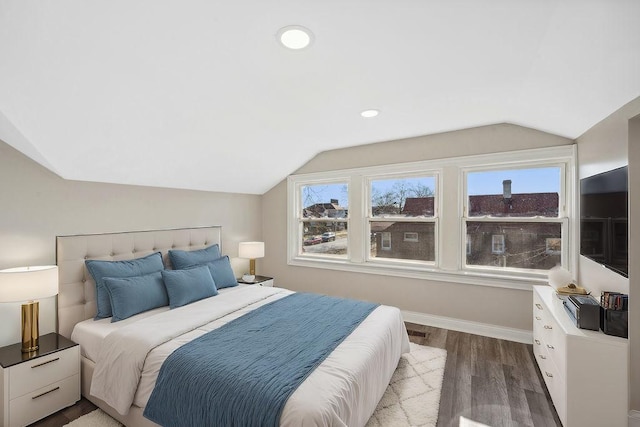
[
  {"x": 553, "y": 245},
  {"x": 385, "y": 239},
  {"x": 497, "y": 243},
  {"x": 504, "y": 220},
  {"x": 402, "y": 206},
  {"x": 323, "y": 219},
  {"x": 520, "y": 209},
  {"x": 411, "y": 237}
]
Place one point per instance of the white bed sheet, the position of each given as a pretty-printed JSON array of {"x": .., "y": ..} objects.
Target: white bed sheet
[
  {"x": 343, "y": 390},
  {"x": 90, "y": 333}
]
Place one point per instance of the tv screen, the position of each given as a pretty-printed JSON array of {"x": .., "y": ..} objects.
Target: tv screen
[{"x": 604, "y": 219}]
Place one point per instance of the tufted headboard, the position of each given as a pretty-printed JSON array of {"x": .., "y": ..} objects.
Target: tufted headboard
[{"x": 77, "y": 294}]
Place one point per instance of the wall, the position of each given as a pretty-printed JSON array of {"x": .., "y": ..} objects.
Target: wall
[
  {"x": 634, "y": 267},
  {"x": 614, "y": 142},
  {"x": 37, "y": 205},
  {"x": 506, "y": 308},
  {"x": 601, "y": 148}
]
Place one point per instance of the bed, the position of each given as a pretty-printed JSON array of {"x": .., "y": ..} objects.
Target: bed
[{"x": 343, "y": 390}]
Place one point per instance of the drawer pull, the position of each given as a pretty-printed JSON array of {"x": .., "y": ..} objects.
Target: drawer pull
[
  {"x": 46, "y": 392},
  {"x": 537, "y": 342},
  {"x": 548, "y": 327},
  {"x": 539, "y": 306},
  {"x": 550, "y": 346},
  {"x": 548, "y": 374},
  {"x": 44, "y": 363},
  {"x": 543, "y": 357},
  {"x": 538, "y": 318}
]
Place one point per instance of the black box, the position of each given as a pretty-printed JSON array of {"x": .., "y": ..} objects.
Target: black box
[
  {"x": 584, "y": 311},
  {"x": 614, "y": 322}
]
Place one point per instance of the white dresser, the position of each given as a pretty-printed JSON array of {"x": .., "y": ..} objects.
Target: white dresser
[{"x": 586, "y": 372}]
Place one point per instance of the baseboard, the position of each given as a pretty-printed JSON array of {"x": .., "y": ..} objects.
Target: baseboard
[
  {"x": 634, "y": 418},
  {"x": 485, "y": 329}
]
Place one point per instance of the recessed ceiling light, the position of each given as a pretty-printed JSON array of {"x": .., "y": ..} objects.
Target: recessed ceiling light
[
  {"x": 369, "y": 113},
  {"x": 295, "y": 37}
]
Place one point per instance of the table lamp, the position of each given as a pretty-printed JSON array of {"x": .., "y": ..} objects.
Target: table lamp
[
  {"x": 27, "y": 284},
  {"x": 251, "y": 250}
]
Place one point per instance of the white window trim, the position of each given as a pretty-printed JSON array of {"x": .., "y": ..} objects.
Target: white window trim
[
  {"x": 562, "y": 157},
  {"x": 392, "y": 172},
  {"x": 451, "y": 268}
]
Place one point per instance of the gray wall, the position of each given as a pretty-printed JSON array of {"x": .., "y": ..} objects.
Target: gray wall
[
  {"x": 614, "y": 142},
  {"x": 495, "y": 306},
  {"x": 634, "y": 270},
  {"x": 37, "y": 205}
]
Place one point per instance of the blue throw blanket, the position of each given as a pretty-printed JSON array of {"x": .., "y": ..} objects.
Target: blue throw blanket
[{"x": 242, "y": 373}]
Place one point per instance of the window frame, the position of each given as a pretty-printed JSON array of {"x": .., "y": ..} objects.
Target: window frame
[
  {"x": 450, "y": 226},
  {"x": 567, "y": 206},
  {"x": 369, "y": 218},
  {"x": 301, "y": 220}
]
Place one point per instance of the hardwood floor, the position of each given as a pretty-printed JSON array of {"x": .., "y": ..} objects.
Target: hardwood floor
[
  {"x": 487, "y": 380},
  {"x": 67, "y": 415}
]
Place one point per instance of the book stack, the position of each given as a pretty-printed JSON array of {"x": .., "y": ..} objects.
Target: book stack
[{"x": 614, "y": 315}]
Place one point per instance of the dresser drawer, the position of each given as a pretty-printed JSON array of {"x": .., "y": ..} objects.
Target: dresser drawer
[
  {"x": 540, "y": 352},
  {"x": 556, "y": 385},
  {"x": 44, "y": 401},
  {"x": 37, "y": 373},
  {"x": 557, "y": 347}
]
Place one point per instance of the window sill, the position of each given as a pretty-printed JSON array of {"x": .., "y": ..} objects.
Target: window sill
[{"x": 510, "y": 280}]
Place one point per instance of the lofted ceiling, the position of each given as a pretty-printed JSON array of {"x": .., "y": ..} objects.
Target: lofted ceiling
[{"x": 200, "y": 95}]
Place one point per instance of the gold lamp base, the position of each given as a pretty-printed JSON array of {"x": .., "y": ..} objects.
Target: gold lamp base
[
  {"x": 30, "y": 331},
  {"x": 252, "y": 267}
]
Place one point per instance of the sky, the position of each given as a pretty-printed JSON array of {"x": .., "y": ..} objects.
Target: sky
[{"x": 535, "y": 180}]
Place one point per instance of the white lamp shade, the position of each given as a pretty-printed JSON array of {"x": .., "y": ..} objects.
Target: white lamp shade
[
  {"x": 28, "y": 283},
  {"x": 251, "y": 250}
]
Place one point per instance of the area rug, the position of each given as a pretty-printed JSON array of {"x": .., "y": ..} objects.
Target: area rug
[
  {"x": 412, "y": 398},
  {"x": 97, "y": 418},
  {"x": 413, "y": 395}
]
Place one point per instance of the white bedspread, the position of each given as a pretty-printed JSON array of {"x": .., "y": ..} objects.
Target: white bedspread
[{"x": 343, "y": 390}]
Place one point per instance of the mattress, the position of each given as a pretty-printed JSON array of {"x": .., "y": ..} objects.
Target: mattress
[{"x": 343, "y": 390}]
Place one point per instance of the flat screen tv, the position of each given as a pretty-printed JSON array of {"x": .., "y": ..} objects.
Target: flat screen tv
[{"x": 604, "y": 211}]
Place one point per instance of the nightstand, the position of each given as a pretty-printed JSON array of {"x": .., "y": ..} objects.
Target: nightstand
[
  {"x": 259, "y": 280},
  {"x": 37, "y": 384}
]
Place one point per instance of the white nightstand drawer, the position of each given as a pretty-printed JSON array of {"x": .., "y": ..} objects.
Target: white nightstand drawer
[
  {"x": 268, "y": 283},
  {"x": 37, "y": 373},
  {"x": 44, "y": 401}
]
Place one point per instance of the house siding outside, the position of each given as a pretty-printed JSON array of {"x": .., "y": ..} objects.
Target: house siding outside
[{"x": 530, "y": 245}]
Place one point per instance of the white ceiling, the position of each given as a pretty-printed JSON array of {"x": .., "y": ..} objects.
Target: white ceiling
[{"x": 199, "y": 95}]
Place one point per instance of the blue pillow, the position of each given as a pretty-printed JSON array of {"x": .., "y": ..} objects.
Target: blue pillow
[
  {"x": 133, "y": 295},
  {"x": 128, "y": 268},
  {"x": 186, "y": 286},
  {"x": 187, "y": 259},
  {"x": 222, "y": 273}
]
